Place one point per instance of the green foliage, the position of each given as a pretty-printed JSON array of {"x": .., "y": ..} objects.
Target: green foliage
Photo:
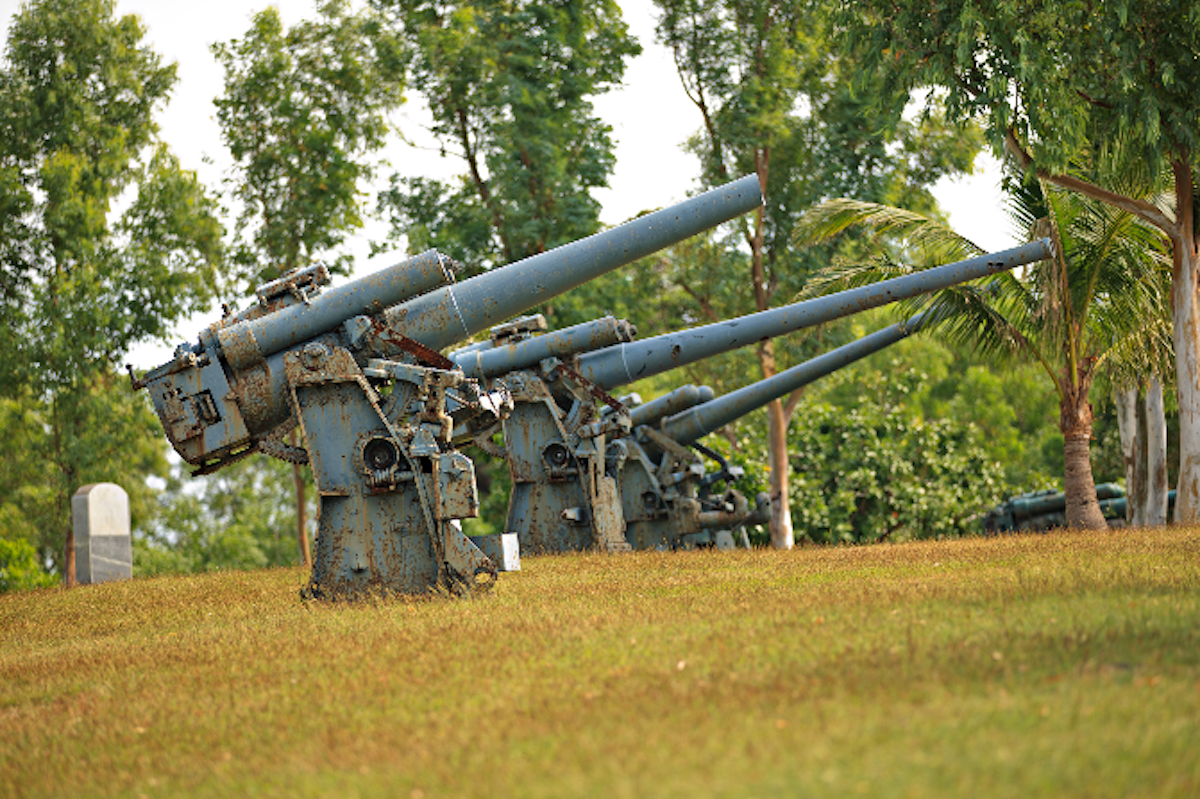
[
  {"x": 80, "y": 283},
  {"x": 242, "y": 517},
  {"x": 301, "y": 111},
  {"x": 1097, "y": 305},
  {"x": 19, "y": 567},
  {"x": 100, "y": 432},
  {"x": 1066, "y": 75},
  {"x": 869, "y": 475},
  {"x": 510, "y": 88}
]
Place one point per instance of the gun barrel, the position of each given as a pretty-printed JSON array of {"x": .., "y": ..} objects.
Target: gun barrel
[
  {"x": 627, "y": 363},
  {"x": 697, "y": 422},
  {"x": 440, "y": 318},
  {"x": 1028, "y": 507},
  {"x": 495, "y": 361},
  {"x": 248, "y": 342},
  {"x": 670, "y": 403}
]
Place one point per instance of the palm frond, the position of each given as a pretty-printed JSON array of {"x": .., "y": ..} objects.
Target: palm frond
[{"x": 884, "y": 223}]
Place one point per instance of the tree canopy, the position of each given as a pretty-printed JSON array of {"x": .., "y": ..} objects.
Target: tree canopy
[
  {"x": 107, "y": 241},
  {"x": 1110, "y": 87},
  {"x": 510, "y": 87}
]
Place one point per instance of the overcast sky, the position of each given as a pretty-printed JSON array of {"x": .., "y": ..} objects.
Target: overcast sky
[{"x": 650, "y": 115}]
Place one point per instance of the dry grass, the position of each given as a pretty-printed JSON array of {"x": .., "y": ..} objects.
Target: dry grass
[{"x": 1058, "y": 665}]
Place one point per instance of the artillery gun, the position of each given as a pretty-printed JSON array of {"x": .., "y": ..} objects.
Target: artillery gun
[
  {"x": 357, "y": 369},
  {"x": 1039, "y": 511},
  {"x": 565, "y": 494},
  {"x": 666, "y": 491}
]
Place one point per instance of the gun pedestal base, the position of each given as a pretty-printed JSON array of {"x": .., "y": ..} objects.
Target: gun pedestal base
[{"x": 389, "y": 494}]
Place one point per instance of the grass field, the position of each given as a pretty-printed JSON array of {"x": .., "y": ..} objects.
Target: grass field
[{"x": 1056, "y": 665}]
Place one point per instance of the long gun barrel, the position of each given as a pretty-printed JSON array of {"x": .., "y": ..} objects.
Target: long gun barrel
[
  {"x": 1024, "y": 508},
  {"x": 247, "y": 342},
  {"x": 218, "y": 398},
  {"x": 697, "y": 422},
  {"x": 626, "y": 363},
  {"x": 672, "y": 402},
  {"x": 499, "y": 360},
  {"x": 440, "y": 318}
]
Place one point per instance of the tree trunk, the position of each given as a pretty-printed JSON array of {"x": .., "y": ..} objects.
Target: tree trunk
[
  {"x": 69, "y": 559},
  {"x": 1127, "y": 428},
  {"x": 782, "y": 534},
  {"x": 1141, "y": 477},
  {"x": 1075, "y": 421},
  {"x": 301, "y": 507},
  {"x": 1155, "y": 512},
  {"x": 1185, "y": 310}
]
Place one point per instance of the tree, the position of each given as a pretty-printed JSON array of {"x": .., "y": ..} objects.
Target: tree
[
  {"x": 774, "y": 98},
  {"x": 1142, "y": 427},
  {"x": 228, "y": 520},
  {"x": 509, "y": 86},
  {"x": 1101, "y": 289},
  {"x": 302, "y": 109},
  {"x": 80, "y": 283},
  {"x": 1055, "y": 80}
]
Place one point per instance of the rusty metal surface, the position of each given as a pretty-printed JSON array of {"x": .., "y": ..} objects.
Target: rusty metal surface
[
  {"x": 389, "y": 496},
  {"x": 416, "y": 349}
]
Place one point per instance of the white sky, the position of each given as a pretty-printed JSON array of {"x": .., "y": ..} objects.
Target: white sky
[{"x": 650, "y": 115}]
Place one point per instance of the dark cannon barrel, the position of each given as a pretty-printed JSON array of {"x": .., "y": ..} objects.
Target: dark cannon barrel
[
  {"x": 626, "y": 363},
  {"x": 695, "y": 423}
]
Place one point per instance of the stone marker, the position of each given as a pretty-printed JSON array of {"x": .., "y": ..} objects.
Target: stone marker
[{"x": 103, "y": 549}]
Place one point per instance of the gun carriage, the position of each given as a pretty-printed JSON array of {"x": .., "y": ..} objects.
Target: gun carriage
[
  {"x": 358, "y": 369},
  {"x": 557, "y": 438}
]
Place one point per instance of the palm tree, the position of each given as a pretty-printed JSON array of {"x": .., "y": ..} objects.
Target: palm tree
[{"x": 1101, "y": 293}]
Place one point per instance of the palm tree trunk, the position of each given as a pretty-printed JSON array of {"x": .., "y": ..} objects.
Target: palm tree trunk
[
  {"x": 1075, "y": 421},
  {"x": 1155, "y": 513}
]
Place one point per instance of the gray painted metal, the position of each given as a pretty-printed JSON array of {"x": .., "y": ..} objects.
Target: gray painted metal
[
  {"x": 670, "y": 403},
  {"x": 371, "y": 394},
  {"x": 627, "y": 363},
  {"x": 695, "y": 423},
  {"x": 440, "y": 318},
  {"x": 549, "y": 446},
  {"x": 266, "y": 335},
  {"x": 498, "y": 360}
]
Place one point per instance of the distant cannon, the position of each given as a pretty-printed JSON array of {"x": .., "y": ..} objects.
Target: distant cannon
[
  {"x": 357, "y": 368},
  {"x": 565, "y": 497},
  {"x": 666, "y": 490},
  {"x": 1038, "y": 511}
]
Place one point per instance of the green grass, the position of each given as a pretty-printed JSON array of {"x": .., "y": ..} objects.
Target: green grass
[{"x": 1057, "y": 665}]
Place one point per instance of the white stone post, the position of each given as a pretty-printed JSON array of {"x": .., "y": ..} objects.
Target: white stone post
[{"x": 103, "y": 548}]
